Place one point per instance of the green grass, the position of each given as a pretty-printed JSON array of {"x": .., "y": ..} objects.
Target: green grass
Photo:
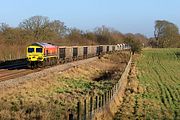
[
  {"x": 72, "y": 84},
  {"x": 159, "y": 74},
  {"x": 83, "y": 86}
]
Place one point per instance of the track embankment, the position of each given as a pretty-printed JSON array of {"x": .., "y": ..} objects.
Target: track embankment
[
  {"x": 48, "y": 94},
  {"x": 108, "y": 112},
  {"x": 35, "y": 75}
]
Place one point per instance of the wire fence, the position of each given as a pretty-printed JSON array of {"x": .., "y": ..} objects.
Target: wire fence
[{"x": 88, "y": 107}]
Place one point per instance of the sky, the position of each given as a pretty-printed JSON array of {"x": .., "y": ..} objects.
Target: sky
[{"x": 126, "y": 16}]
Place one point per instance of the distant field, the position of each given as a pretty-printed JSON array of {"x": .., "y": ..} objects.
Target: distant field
[{"x": 158, "y": 73}]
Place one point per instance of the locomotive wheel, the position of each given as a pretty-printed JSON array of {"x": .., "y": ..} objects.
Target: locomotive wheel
[
  {"x": 36, "y": 64},
  {"x": 40, "y": 64},
  {"x": 32, "y": 65}
]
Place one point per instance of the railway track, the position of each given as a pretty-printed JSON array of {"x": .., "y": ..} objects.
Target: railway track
[
  {"x": 13, "y": 71},
  {"x": 14, "y": 74},
  {"x": 18, "y": 70}
]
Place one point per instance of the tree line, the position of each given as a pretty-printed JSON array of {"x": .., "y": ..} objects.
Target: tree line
[
  {"x": 41, "y": 29},
  {"x": 14, "y": 40},
  {"x": 166, "y": 35}
]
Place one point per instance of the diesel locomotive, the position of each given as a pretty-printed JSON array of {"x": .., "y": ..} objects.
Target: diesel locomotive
[{"x": 42, "y": 54}]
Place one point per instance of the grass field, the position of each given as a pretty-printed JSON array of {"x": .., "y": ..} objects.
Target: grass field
[{"x": 158, "y": 73}]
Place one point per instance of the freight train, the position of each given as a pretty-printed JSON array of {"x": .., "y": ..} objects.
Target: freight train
[{"x": 41, "y": 54}]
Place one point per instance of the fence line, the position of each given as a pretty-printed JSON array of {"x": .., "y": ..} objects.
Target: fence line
[{"x": 87, "y": 108}]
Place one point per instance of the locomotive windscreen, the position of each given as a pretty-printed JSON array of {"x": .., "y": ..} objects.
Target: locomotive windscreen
[
  {"x": 39, "y": 50},
  {"x": 30, "y": 50}
]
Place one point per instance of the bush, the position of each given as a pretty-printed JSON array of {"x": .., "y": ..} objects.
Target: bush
[{"x": 135, "y": 44}]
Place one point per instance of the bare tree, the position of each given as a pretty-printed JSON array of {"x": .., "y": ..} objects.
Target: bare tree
[
  {"x": 104, "y": 35},
  {"x": 58, "y": 27},
  {"x": 36, "y": 24},
  {"x": 4, "y": 27}
]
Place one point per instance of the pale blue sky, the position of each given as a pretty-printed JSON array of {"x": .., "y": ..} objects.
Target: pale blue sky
[{"x": 135, "y": 16}]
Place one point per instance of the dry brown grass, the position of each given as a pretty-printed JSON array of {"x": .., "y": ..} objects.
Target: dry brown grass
[
  {"x": 12, "y": 52},
  {"x": 131, "y": 107},
  {"x": 50, "y": 96}
]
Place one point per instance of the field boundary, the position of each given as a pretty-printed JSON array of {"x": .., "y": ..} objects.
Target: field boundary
[
  {"x": 102, "y": 107},
  {"x": 108, "y": 111}
]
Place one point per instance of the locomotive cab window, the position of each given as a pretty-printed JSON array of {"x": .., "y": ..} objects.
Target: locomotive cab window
[
  {"x": 39, "y": 50},
  {"x": 30, "y": 50}
]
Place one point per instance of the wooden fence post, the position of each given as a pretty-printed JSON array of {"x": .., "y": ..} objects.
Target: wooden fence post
[
  {"x": 85, "y": 109},
  {"x": 71, "y": 117},
  {"x": 99, "y": 102},
  {"x": 102, "y": 100},
  {"x": 91, "y": 107},
  {"x": 108, "y": 97},
  {"x": 96, "y": 105},
  {"x": 78, "y": 110},
  {"x": 105, "y": 98},
  {"x": 116, "y": 88}
]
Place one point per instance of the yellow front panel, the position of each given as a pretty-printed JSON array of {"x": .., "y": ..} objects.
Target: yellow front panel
[{"x": 33, "y": 54}]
